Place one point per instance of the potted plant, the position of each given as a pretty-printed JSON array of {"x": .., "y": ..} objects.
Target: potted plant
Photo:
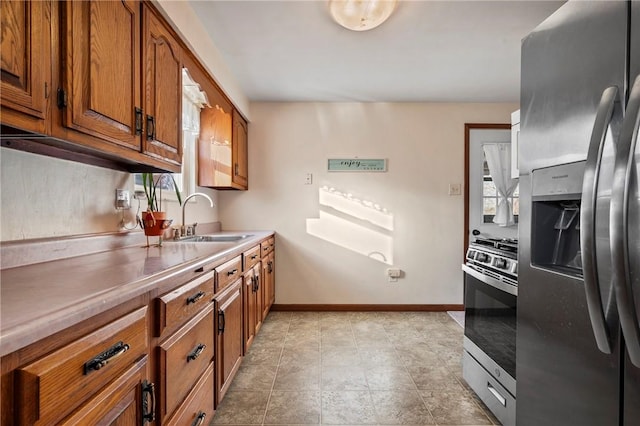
[{"x": 154, "y": 220}]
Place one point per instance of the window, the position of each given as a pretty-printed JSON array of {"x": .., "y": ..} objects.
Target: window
[
  {"x": 490, "y": 197},
  {"x": 193, "y": 99}
]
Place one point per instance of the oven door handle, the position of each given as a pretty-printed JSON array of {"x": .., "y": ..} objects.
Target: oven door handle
[
  {"x": 619, "y": 226},
  {"x": 588, "y": 215},
  {"x": 508, "y": 288}
]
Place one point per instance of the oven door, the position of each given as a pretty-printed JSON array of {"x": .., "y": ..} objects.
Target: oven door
[{"x": 490, "y": 317}]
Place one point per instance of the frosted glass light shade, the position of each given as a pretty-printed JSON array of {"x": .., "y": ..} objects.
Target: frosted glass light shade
[{"x": 361, "y": 15}]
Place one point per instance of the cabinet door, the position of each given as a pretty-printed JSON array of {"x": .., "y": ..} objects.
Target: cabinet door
[
  {"x": 162, "y": 82},
  {"x": 229, "y": 329},
  {"x": 127, "y": 401},
  {"x": 240, "y": 155},
  {"x": 267, "y": 273},
  {"x": 214, "y": 145},
  {"x": 102, "y": 70},
  {"x": 24, "y": 59},
  {"x": 183, "y": 358},
  {"x": 270, "y": 279},
  {"x": 249, "y": 310}
]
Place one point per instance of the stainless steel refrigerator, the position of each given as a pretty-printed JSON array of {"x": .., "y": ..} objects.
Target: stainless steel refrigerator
[{"x": 578, "y": 343}]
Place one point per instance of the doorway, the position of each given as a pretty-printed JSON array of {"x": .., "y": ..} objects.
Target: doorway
[{"x": 475, "y": 215}]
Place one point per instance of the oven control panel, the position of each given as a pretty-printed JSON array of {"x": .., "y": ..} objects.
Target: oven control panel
[{"x": 495, "y": 261}]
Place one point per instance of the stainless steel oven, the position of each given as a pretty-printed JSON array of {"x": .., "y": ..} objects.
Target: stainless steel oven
[{"x": 491, "y": 293}]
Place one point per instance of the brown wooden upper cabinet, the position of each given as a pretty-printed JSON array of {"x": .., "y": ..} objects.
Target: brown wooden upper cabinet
[
  {"x": 102, "y": 78},
  {"x": 240, "y": 154},
  {"x": 222, "y": 147},
  {"x": 25, "y": 63},
  {"x": 102, "y": 71},
  {"x": 163, "y": 90}
]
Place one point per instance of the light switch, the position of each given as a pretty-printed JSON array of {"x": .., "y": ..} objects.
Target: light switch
[
  {"x": 455, "y": 189},
  {"x": 308, "y": 179}
]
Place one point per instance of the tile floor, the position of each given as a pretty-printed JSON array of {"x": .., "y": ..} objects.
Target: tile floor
[{"x": 353, "y": 368}]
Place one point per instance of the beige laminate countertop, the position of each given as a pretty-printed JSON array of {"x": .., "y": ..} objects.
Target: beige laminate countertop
[{"x": 41, "y": 299}]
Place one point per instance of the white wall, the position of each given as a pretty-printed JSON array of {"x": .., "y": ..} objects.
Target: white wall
[
  {"x": 189, "y": 26},
  {"x": 47, "y": 197},
  {"x": 424, "y": 145}
]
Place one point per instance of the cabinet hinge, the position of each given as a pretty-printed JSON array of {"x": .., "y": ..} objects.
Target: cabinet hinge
[{"x": 62, "y": 98}]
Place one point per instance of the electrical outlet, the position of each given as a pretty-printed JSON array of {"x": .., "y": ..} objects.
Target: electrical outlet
[
  {"x": 394, "y": 274},
  {"x": 455, "y": 189},
  {"x": 123, "y": 199}
]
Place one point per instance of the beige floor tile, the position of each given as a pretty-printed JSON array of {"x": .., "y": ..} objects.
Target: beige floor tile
[
  {"x": 379, "y": 356},
  {"x": 301, "y": 355},
  {"x": 454, "y": 408},
  {"x": 353, "y": 368},
  {"x": 431, "y": 376},
  {"x": 242, "y": 407},
  {"x": 287, "y": 408},
  {"x": 374, "y": 339},
  {"x": 347, "y": 408},
  {"x": 254, "y": 377},
  {"x": 338, "y": 355},
  {"x": 341, "y": 378},
  {"x": 389, "y": 378},
  {"x": 401, "y": 408},
  {"x": 298, "y": 377},
  {"x": 331, "y": 338},
  {"x": 264, "y": 355}
]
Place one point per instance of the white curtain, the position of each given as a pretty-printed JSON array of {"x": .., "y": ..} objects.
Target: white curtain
[
  {"x": 498, "y": 157},
  {"x": 193, "y": 100}
]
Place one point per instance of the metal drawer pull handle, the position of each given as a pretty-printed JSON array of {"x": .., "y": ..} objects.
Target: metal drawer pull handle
[
  {"x": 193, "y": 299},
  {"x": 138, "y": 114},
  {"x": 148, "y": 416},
  {"x": 200, "y": 419},
  {"x": 196, "y": 352},
  {"x": 221, "y": 322},
  {"x": 151, "y": 128},
  {"x": 495, "y": 393},
  {"x": 254, "y": 256},
  {"x": 105, "y": 357},
  {"x": 232, "y": 272}
]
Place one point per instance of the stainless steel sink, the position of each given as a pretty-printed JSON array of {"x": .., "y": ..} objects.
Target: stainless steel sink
[{"x": 216, "y": 238}]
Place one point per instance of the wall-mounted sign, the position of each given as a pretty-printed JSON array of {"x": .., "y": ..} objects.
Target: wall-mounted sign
[{"x": 357, "y": 165}]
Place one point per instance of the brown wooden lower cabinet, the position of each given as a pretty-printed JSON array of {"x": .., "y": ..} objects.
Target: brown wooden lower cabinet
[
  {"x": 229, "y": 336},
  {"x": 197, "y": 409},
  {"x": 127, "y": 401},
  {"x": 55, "y": 385},
  {"x": 164, "y": 359},
  {"x": 269, "y": 283},
  {"x": 184, "y": 357}
]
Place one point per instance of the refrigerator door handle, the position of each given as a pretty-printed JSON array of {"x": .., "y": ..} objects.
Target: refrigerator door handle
[
  {"x": 587, "y": 218},
  {"x": 618, "y": 225}
]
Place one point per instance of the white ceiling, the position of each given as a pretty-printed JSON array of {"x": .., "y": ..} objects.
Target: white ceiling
[{"x": 428, "y": 51}]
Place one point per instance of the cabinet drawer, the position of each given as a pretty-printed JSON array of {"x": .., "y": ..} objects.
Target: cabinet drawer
[
  {"x": 251, "y": 257},
  {"x": 183, "y": 358},
  {"x": 198, "y": 407},
  {"x": 53, "y": 386},
  {"x": 267, "y": 246},
  {"x": 177, "y": 307},
  {"x": 121, "y": 400},
  {"x": 228, "y": 273}
]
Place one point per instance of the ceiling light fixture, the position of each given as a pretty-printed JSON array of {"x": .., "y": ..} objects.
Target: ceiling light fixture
[{"x": 361, "y": 15}]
